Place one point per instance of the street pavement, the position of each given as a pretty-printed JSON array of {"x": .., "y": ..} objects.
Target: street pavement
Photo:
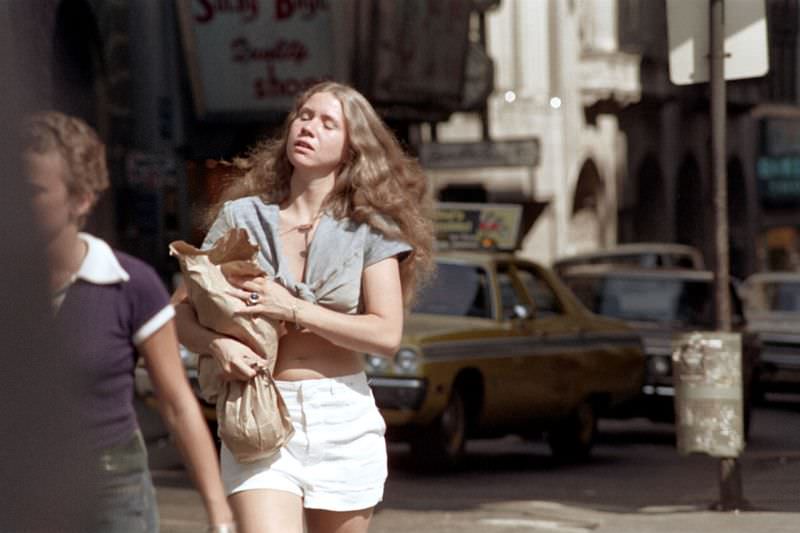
[
  {"x": 771, "y": 486},
  {"x": 508, "y": 489}
]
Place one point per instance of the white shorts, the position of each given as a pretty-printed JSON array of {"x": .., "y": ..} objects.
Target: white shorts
[{"x": 336, "y": 459}]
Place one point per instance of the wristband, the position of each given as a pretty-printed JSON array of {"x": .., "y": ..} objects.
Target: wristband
[{"x": 222, "y": 528}]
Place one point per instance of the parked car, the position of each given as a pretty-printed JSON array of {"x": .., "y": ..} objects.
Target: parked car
[
  {"x": 498, "y": 345},
  {"x": 660, "y": 304},
  {"x": 643, "y": 254},
  {"x": 772, "y": 308}
]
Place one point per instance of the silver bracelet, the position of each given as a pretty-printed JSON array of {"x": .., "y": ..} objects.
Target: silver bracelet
[
  {"x": 222, "y": 528},
  {"x": 295, "y": 318}
]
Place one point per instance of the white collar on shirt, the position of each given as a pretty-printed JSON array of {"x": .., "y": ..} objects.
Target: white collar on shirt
[{"x": 100, "y": 266}]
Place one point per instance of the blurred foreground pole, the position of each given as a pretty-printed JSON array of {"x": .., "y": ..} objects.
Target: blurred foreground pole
[
  {"x": 730, "y": 479},
  {"x": 45, "y": 463}
]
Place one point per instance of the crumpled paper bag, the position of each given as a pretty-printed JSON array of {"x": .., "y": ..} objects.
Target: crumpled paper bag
[{"x": 252, "y": 418}]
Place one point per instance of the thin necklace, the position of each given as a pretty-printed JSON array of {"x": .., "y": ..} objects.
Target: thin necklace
[
  {"x": 305, "y": 230},
  {"x": 302, "y": 228}
]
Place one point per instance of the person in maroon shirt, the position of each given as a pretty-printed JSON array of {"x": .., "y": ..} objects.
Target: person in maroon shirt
[{"x": 111, "y": 308}]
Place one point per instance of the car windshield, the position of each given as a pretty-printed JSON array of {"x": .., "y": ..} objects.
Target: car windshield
[
  {"x": 780, "y": 296},
  {"x": 456, "y": 290},
  {"x": 647, "y": 299}
]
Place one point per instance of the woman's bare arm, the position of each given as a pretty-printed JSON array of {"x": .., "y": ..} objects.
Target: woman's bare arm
[
  {"x": 235, "y": 358},
  {"x": 181, "y": 413}
]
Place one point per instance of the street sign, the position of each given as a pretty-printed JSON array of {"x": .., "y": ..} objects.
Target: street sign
[
  {"x": 512, "y": 153},
  {"x": 746, "y": 50}
]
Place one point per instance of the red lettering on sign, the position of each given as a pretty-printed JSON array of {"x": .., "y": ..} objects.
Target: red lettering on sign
[
  {"x": 285, "y": 9},
  {"x": 247, "y": 9},
  {"x": 274, "y": 87},
  {"x": 242, "y": 51}
]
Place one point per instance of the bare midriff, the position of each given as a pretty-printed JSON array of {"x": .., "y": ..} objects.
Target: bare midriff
[{"x": 304, "y": 355}]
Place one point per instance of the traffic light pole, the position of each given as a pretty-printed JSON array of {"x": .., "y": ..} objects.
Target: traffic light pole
[{"x": 730, "y": 479}]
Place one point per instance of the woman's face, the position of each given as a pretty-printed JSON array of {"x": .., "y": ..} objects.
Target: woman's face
[
  {"x": 53, "y": 207},
  {"x": 318, "y": 135}
]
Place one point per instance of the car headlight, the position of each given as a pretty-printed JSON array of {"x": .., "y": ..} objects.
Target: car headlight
[
  {"x": 406, "y": 361},
  {"x": 660, "y": 365},
  {"x": 376, "y": 364}
]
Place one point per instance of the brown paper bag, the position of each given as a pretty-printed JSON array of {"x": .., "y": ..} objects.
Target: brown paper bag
[
  {"x": 256, "y": 420},
  {"x": 204, "y": 277},
  {"x": 252, "y": 419}
]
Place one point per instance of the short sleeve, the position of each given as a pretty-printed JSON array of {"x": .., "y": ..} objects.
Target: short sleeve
[
  {"x": 220, "y": 227},
  {"x": 150, "y": 308},
  {"x": 379, "y": 248}
]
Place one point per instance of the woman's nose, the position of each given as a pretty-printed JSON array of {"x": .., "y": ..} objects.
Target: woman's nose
[{"x": 307, "y": 130}]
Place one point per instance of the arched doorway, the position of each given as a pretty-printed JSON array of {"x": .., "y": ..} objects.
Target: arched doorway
[
  {"x": 587, "y": 223},
  {"x": 649, "y": 213},
  {"x": 689, "y": 204}
]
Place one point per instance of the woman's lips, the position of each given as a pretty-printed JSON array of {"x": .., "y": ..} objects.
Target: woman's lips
[{"x": 303, "y": 145}]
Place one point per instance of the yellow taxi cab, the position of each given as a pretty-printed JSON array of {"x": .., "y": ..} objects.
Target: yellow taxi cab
[{"x": 497, "y": 345}]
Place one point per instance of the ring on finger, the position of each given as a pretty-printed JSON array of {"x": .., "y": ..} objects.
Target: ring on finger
[{"x": 253, "y": 298}]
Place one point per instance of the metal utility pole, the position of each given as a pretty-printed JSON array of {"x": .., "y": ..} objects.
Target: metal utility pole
[{"x": 730, "y": 478}]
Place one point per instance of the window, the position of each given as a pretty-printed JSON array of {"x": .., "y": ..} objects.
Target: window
[
  {"x": 510, "y": 298},
  {"x": 543, "y": 297},
  {"x": 457, "y": 290}
]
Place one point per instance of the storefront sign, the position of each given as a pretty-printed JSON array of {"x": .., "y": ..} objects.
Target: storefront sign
[
  {"x": 249, "y": 56},
  {"x": 510, "y": 153},
  {"x": 778, "y": 168},
  {"x": 779, "y": 177},
  {"x": 421, "y": 50}
]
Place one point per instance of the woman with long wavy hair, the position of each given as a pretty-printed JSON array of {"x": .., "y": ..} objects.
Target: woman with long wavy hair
[{"x": 341, "y": 218}]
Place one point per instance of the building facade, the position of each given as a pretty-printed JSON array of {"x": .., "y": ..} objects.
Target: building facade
[
  {"x": 667, "y": 195},
  {"x": 560, "y": 79},
  {"x": 174, "y": 88}
]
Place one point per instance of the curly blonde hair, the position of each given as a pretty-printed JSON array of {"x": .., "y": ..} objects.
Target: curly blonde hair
[
  {"x": 376, "y": 183},
  {"x": 78, "y": 144}
]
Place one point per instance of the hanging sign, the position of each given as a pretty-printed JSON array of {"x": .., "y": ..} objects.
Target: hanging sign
[{"x": 248, "y": 56}]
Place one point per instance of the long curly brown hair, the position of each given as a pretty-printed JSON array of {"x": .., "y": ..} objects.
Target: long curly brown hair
[{"x": 377, "y": 183}]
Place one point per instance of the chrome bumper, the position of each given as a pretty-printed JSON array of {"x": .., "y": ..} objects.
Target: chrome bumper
[{"x": 398, "y": 393}]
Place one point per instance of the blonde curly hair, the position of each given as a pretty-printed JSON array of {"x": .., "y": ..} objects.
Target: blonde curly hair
[
  {"x": 78, "y": 144},
  {"x": 376, "y": 183}
]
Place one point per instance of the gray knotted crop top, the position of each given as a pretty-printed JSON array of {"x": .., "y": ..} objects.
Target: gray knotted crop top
[{"x": 339, "y": 252}]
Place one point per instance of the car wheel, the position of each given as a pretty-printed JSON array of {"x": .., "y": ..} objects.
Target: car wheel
[
  {"x": 441, "y": 445},
  {"x": 572, "y": 439}
]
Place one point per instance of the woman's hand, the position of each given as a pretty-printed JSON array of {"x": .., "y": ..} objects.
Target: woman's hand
[
  {"x": 263, "y": 297},
  {"x": 237, "y": 360}
]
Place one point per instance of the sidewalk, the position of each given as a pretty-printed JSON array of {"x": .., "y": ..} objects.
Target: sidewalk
[{"x": 771, "y": 486}]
